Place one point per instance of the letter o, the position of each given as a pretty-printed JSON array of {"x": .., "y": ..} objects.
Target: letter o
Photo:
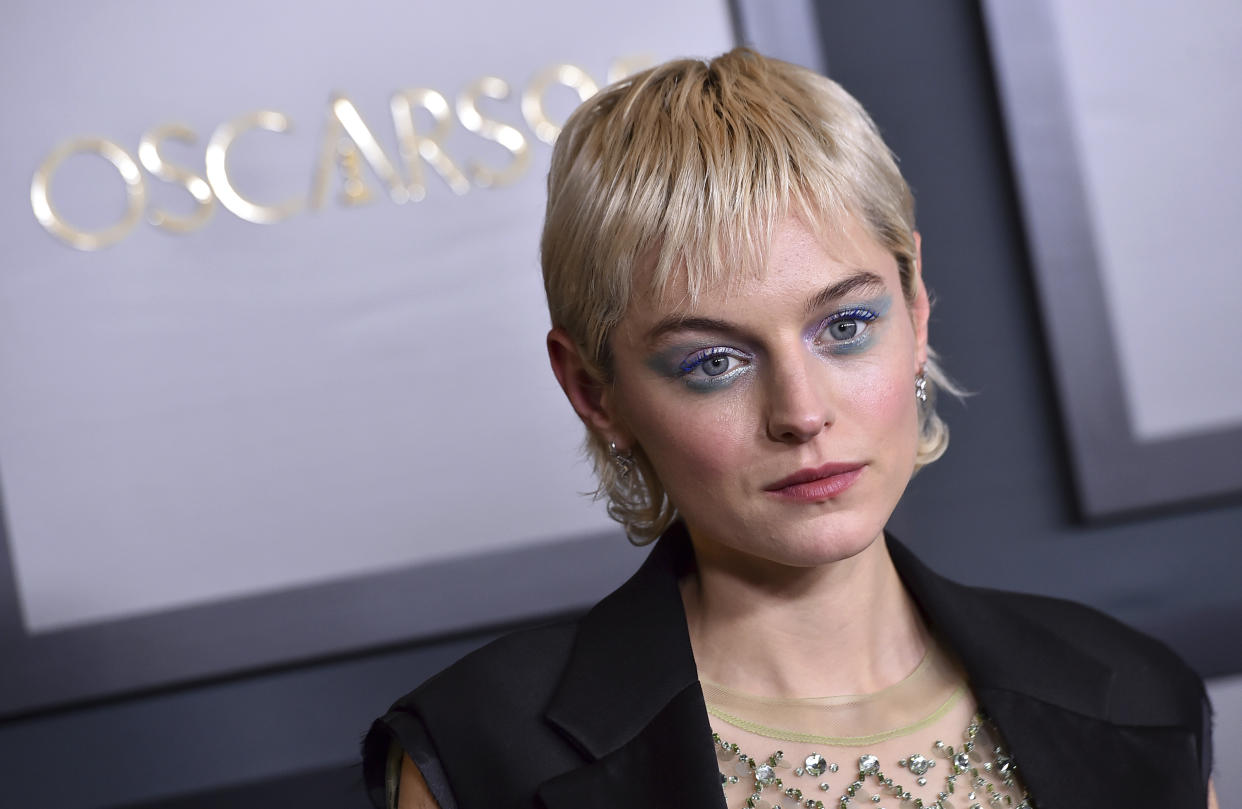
[{"x": 46, "y": 213}]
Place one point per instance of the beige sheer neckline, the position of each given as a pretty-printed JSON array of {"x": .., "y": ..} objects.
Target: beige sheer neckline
[{"x": 917, "y": 701}]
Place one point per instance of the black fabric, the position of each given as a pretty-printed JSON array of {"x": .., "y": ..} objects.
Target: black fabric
[
  {"x": 607, "y": 710},
  {"x": 407, "y": 731}
]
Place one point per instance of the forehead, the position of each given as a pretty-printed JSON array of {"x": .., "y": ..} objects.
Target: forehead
[{"x": 800, "y": 261}]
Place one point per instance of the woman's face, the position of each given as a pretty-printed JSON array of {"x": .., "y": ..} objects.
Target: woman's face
[{"x": 779, "y": 412}]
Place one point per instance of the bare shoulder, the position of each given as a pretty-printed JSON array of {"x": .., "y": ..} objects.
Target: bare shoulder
[{"x": 413, "y": 792}]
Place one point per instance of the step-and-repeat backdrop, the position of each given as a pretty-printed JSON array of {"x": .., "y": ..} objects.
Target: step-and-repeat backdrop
[{"x": 270, "y": 307}]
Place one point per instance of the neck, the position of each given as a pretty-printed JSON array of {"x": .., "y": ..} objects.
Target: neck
[{"x": 769, "y": 629}]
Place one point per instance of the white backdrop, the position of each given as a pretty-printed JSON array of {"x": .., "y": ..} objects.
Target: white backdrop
[
  {"x": 248, "y": 407},
  {"x": 1161, "y": 163}
]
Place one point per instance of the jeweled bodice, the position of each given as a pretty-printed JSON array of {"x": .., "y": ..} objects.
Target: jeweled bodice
[{"x": 918, "y": 744}]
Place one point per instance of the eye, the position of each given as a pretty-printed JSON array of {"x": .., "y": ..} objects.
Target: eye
[
  {"x": 712, "y": 365},
  {"x": 847, "y": 326},
  {"x": 717, "y": 364},
  {"x": 846, "y": 329}
]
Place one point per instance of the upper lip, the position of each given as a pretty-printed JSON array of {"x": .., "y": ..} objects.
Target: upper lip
[{"x": 815, "y": 473}]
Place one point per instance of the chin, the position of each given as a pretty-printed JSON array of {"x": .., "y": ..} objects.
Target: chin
[
  {"x": 825, "y": 546},
  {"x": 807, "y": 543}
]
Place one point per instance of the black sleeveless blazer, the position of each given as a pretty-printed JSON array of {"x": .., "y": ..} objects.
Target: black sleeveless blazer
[{"x": 606, "y": 711}]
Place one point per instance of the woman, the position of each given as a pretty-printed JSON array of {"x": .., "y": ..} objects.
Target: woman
[{"x": 740, "y": 320}]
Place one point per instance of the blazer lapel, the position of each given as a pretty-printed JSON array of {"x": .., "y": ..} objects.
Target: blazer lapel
[
  {"x": 669, "y": 762},
  {"x": 1050, "y": 702},
  {"x": 630, "y": 698}
]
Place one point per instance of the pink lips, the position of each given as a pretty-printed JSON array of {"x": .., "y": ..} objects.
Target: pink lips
[{"x": 821, "y": 483}]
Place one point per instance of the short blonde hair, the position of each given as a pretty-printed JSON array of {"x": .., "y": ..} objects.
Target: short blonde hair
[{"x": 681, "y": 172}]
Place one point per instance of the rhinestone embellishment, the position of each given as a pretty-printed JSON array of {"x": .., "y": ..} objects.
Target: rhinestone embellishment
[
  {"x": 987, "y": 773},
  {"x": 918, "y": 764},
  {"x": 816, "y": 764}
]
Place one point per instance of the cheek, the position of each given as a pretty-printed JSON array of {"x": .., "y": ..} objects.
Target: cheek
[
  {"x": 690, "y": 442},
  {"x": 885, "y": 398}
]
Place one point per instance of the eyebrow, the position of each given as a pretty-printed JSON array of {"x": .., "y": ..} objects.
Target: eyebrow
[{"x": 860, "y": 280}]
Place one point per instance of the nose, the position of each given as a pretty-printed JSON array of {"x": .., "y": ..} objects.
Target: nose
[{"x": 799, "y": 402}]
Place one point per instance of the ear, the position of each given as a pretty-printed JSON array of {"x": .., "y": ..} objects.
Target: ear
[
  {"x": 920, "y": 307},
  {"x": 589, "y": 396}
]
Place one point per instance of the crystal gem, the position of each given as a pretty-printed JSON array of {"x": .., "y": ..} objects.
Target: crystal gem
[
  {"x": 764, "y": 774},
  {"x": 868, "y": 764},
  {"x": 824, "y": 786},
  {"x": 918, "y": 764},
  {"x": 1004, "y": 764},
  {"x": 816, "y": 764},
  {"x": 962, "y": 762},
  {"x": 833, "y": 768},
  {"x": 922, "y": 782}
]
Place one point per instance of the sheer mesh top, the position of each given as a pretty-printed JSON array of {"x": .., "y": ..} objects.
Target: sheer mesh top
[{"x": 917, "y": 744}]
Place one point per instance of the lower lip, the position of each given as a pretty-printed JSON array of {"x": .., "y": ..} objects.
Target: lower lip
[{"x": 814, "y": 491}]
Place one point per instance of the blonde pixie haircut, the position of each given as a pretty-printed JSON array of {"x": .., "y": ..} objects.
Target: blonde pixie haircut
[{"x": 680, "y": 173}]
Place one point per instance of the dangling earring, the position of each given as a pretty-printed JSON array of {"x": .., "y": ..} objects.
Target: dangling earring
[
  {"x": 624, "y": 462},
  {"x": 920, "y": 388}
]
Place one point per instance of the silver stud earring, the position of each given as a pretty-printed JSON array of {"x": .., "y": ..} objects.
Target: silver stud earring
[
  {"x": 623, "y": 461},
  {"x": 920, "y": 388}
]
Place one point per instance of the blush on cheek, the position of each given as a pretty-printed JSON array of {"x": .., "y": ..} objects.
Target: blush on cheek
[
  {"x": 886, "y": 407},
  {"x": 697, "y": 455},
  {"x": 884, "y": 396}
]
